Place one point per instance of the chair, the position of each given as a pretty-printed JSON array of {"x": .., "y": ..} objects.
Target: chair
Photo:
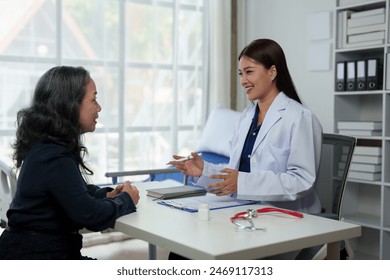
[
  {"x": 336, "y": 156},
  {"x": 7, "y": 190}
]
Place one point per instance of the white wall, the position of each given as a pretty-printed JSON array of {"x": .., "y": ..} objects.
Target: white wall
[{"x": 286, "y": 22}]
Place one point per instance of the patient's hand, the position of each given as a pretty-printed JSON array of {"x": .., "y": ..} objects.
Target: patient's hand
[
  {"x": 192, "y": 167},
  {"x": 132, "y": 191},
  {"x": 115, "y": 192}
]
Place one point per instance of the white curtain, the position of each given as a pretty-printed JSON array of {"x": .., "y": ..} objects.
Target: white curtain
[
  {"x": 219, "y": 54},
  {"x": 127, "y": 47}
]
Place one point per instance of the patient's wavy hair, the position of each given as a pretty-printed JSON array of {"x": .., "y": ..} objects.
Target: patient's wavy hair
[
  {"x": 53, "y": 115},
  {"x": 268, "y": 53}
]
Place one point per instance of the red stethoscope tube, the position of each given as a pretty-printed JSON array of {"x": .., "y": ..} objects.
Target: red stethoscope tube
[{"x": 253, "y": 213}]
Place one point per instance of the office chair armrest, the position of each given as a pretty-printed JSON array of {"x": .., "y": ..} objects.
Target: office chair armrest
[{"x": 115, "y": 175}]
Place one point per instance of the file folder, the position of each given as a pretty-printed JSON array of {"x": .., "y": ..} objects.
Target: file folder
[
  {"x": 374, "y": 74},
  {"x": 340, "y": 76},
  {"x": 351, "y": 75},
  {"x": 176, "y": 192},
  {"x": 191, "y": 204},
  {"x": 361, "y": 75}
]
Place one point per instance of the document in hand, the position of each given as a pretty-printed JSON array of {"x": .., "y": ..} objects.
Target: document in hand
[{"x": 176, "y": 192}]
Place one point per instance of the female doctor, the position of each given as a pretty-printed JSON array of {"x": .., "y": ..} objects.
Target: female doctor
[{"x": 275, "y": 150}]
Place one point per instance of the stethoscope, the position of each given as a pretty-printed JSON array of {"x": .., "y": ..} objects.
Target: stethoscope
[{"x": 243, "y": 220}]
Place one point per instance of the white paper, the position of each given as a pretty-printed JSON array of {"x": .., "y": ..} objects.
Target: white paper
[
  {"x": 340, "y": 71},
  {"x": 319, "y": 56},
  {"x": 351, "y": 70},
  {"x": 319, "y": 26}
]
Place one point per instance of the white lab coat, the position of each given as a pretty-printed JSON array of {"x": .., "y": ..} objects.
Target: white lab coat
[{"x": 285, "y": 157}]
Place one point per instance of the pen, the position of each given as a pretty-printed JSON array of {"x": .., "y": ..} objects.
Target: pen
[
  {"x": 183, "y": 159},
  {"x": 173, "y": 205},
  {"x": 177, "y": 205}
]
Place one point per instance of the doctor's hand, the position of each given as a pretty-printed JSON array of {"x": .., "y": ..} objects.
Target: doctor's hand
[
  {"x": 228, "y": 185},
  {"x": 192, "y": 167}
]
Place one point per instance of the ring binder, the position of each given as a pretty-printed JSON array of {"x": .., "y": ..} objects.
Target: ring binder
[
  {"x": 374, "y": 74},
  {"x": 351, "y": 75},
  {"x": 361, "y": 75},
  {"x": 340, "y": 76}
]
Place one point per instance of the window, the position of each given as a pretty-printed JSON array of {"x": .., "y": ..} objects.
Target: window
[{"x": 148, "y": 61}]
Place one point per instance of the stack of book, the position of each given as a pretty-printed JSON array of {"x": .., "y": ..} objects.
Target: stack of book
[
  {"x": 354, "y": 2},
  {"x": 366, "y": 163},
  {"x": 364, "y": 28},
  {"x": 360, "y": 128}
]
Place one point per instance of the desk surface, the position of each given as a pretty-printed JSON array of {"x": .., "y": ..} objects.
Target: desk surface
[{"x": 183, "y": 233}]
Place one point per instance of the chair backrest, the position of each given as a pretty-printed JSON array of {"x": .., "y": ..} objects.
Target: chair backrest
[
  {"x": 213, "y": 147},
  {"x": 218, "y": 131},
  {"x": 336, "y": 156},
  {"x": 7, "y": 189},
  {"x": 214, "y": 142}
]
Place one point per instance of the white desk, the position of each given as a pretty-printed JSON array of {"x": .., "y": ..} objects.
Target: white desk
[{"x": 181, "y": 232}]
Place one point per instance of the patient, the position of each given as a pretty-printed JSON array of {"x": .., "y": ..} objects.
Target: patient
[
  {"x": 53, "y": 200},
  {"x": 276, "y": 147}
]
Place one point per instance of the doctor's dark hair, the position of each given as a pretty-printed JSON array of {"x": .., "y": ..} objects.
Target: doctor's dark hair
[
  {"x": 54, "y": 113},
  {"x": 267, "y": 52}
]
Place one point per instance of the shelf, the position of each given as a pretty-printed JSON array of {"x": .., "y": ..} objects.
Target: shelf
[
  {"x": 363, "y": 219},
  {"x": 366, "y": 203},
  {"x": 367, "y": 50},
  {"x": 387, "y": 117},
  {"x": 347, "y": 54},
  {"x": 377, "y": 183},
  {"x": 361, "y": 5},
  {"x": 353, "y": 93},
  {"x": 366, "y": 184},
  {"x": 361, "y": 204},
  {"x": 386, "y": 207},
  {"x": 386, "y": 244},
  {"x": 364, "y": 256},
  {"x": 366, "y": 247},
  {"x": 358, "y": 107}
]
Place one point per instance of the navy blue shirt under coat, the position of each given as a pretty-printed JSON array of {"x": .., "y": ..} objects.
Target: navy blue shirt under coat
[{"x": 245, "y": 161}]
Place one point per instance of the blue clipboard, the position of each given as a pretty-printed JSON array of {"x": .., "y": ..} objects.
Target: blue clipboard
[{"x": 191, "y": 204}]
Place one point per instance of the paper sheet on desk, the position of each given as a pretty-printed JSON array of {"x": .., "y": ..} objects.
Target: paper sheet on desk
[{"x": 191, "y": 204}]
